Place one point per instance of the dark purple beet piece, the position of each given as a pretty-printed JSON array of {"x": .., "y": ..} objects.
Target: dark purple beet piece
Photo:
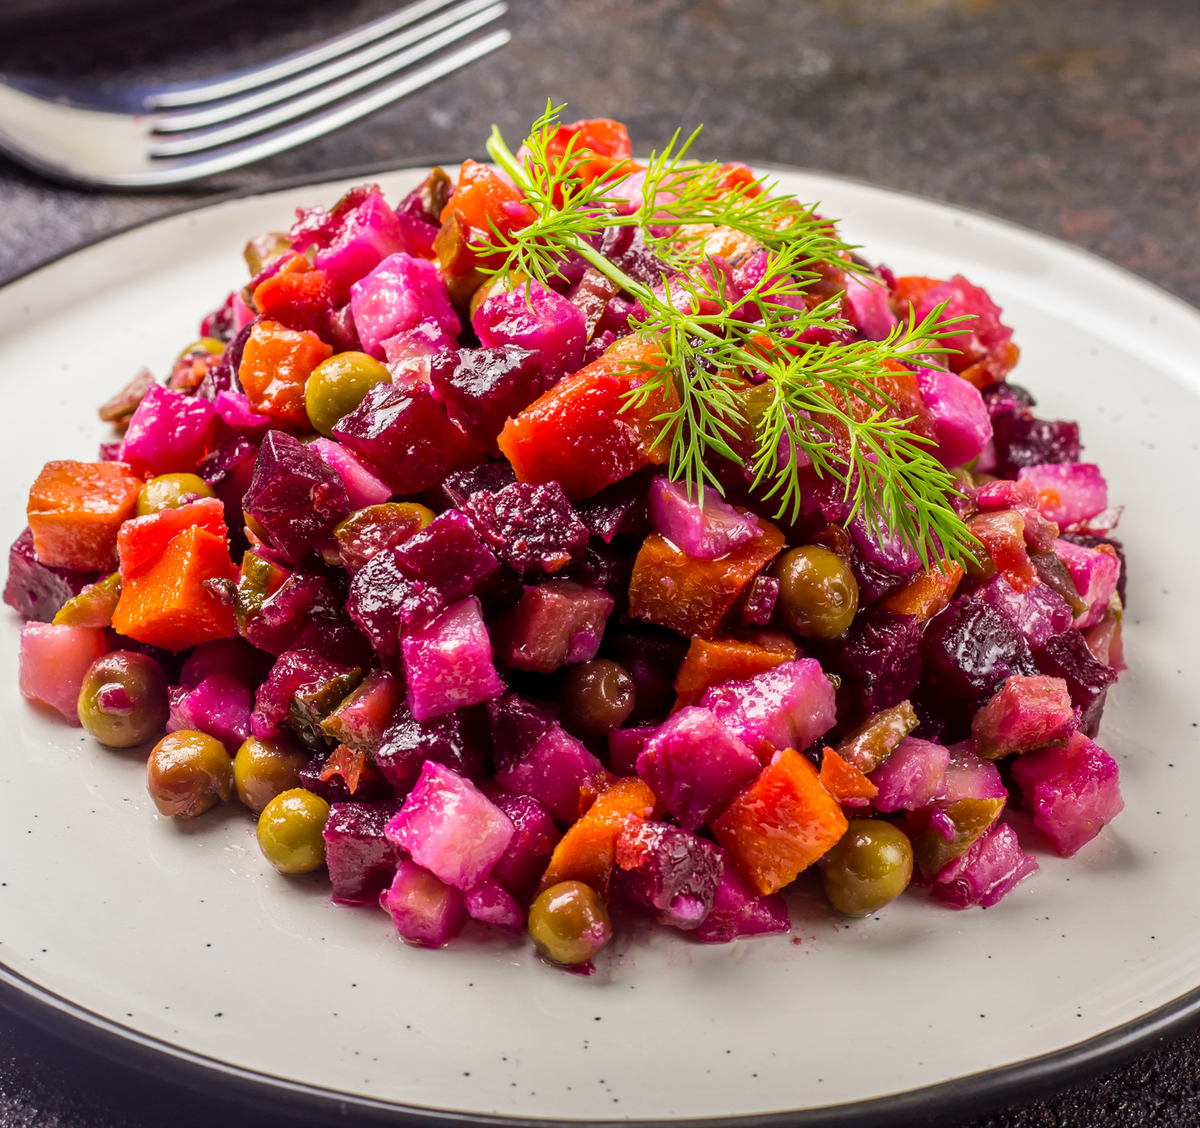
[
  {"x": 531, "y": 528},
  {"x": 404, "y": 437},
  {"x": 607, "y": 566},
  {"x": 296, "y": 672},
  {"x": 295, "y": 495},
  {"x": 759, "y": 604},
  {"x": 878, "y": 659},
  {"x": 449, "y": 555},
  {"x": 361, "y": 861},
  {"x": 968, "y": 650},
  {"x": 229, "y": 470},
  {"x": 626, "y": 247},
  {"x": 455, "y": 740},
  {"x": 516, "y": 726},
  {"x": 452, "y": 492},
  {"x": 384, "y": 600},
  {"x": 283, "y": 615},
  {"x": 668, "y": 871},
  {"x": 1067, "y": 656},
  {"x": 481, "y": 388},
  {"x": 619, "y": 510},
  {"x": 1004, "y": 398},
  {"x": 523, "y": 863},
  {"x": 1022, "y": 441},
  {"x": 652, "y": 657},
  {"x": 372, "y": 787},
  {"x": 36, "y": 590}
]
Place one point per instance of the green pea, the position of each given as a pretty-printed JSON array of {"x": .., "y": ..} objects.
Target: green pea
[
  {"x": 289, "y": 831},
  {"x": 569, "y": 923},
  {"x": 869, "y": 867},
  {"x": 170, "y": 491},
  {"x": 596, "y": 697},
  {"x": 187, "y": 773},
  {"x": 818, "y": 594},
  {"x": 123, "y": 699},
  {"x": 338, "y": 385},
  {"x": 263, "y": 769}
]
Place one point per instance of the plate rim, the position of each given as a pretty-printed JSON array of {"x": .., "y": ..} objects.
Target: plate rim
[{"x": 973, "y": 1094}]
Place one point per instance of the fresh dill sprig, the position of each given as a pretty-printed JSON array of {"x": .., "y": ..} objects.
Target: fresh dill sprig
[{"x": 717, "y": 352}]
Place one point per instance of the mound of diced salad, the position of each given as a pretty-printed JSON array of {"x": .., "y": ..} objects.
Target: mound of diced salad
[{"x": 391, "y": 560}]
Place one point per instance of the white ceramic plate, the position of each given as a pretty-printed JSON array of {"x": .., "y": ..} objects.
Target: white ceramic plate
[{"x": 180, "y": 938}]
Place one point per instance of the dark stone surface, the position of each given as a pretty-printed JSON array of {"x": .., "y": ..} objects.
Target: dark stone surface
[{"x": 1079, "y": 119}]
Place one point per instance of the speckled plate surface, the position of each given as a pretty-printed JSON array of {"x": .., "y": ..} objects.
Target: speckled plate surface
[{"x": 180, "y": 937}]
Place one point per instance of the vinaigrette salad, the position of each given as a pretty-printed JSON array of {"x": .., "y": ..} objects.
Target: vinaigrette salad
[{"x": 582, "y": 531}]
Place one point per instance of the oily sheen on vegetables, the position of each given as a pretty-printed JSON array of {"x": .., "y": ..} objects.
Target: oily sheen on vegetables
[{"x": 579, "y": 533}]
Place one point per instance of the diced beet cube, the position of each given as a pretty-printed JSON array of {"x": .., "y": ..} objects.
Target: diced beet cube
[
  {"x": 738, "y": 911},
  {"x": 276, "y": 624},
  {"x": 531, "y": 528},
  {"x": 453, "y": 740},
  {"x": 879, "y": 566},
  {"x": 625, "y": 746},
  {"x": 448, "y": 664},
  {"x": 1067, "y": 492},
  {"x": 1038, "y": 612},
  {"x": 362, "y": 862},
  {"x": 1087, "y": 540},
  {"x": 653, "y": 657},
  {"x": 1095, "y": 572},
  {"x": 516, "y": 726},
  {"x": 1024, "y": 714},
  {"x": 789, "y": 706},
  {"x": 362, "y": 487},
  {"x": 53, "y": 663},
  {"x": 553, "y": 772},
  {"x": 558, "y": 623},
  {"x": 961, "y": 423},
  {"x": 491, "y": 903},
  {"x": 365, "y": 236},
  {"x": 296, "y": 672},
  {"x": 169, "y": 432},
  {"x": 524, "y": 861},
  {"x": 361, "y": 718},
  {"x": 758, "y": 608},
  {"x": 538, "y": 319},
  {"x": 35, "y": 590},
  {"x": 626, "y": 247},
  {"x": 225, "y": 656},
  {"x": 1067, "y": 656},
  {"x": 1025, "y": 441},
  {"x": 385, "y": 601},
  {"x": 695, "y": 766},
  {"x": 1004, "y": 398},
  {"x": 983, "y": 335},
  {"x": 426, "y": 911},
  {"x": 396, "y": 295},
  {"x": 1073, "y": 791},
  {"x": 451, "y": 828},
  {"x": 483, "y": 388},
  {"x": 704, "y": 531},
  {"x": 448, "y": 554},
  {"x": 865, "y": 300},
  {"x": 220, "y": 705},
  {"x": 453, "y": 490},
  {"x": 667, "y": 871},
  {"x": 404, "y": 437},
  {"x": 967, "y": 652},
  {"x": 878, "y": 658},
  {"x": 987, "y": 872},
  {"x": 295, "y": 495},
  {"x": 911, "y": 775}
]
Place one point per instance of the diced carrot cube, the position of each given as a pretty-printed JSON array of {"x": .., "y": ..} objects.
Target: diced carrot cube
[
  {"x": 169, "y": 604},
  {"x": 780, "y": 823},
  {"x": 588, "y": 849},
  {"x": 297, "y": 296},
  {"x": 911, "y": 289},
  {"x": 76, "y": 510},
  {"x": 276, "y": 364},
  {"x": 583, "y": 432},
  {"x": 717, "y": 661},
  {"x": 143, "y": 540},
  {"x": 691, "y": 596},
  {"x": 844, "y": 781},
  {"x": 927, "y": 593}
]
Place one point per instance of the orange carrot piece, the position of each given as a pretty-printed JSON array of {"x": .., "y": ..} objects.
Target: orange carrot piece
[
  {"x": 143, "y": 540},
  {"x": 716, "y": 661},
  {"x": 76, "y": 510},
  {"x": 780, "y": 823},
  {"x": 168, "y": 603},
  {"x": 347, "y": 763},
  {"x": 844, "y": 781},
  {"x": 276, "y": 364},
  {"x": 927, "y": 593},
  {"x": 696, "y": 597},
  {"x": 588, "y": 849}
]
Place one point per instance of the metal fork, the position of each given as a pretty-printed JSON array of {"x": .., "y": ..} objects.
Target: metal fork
[{"x": 142, "y": 136}]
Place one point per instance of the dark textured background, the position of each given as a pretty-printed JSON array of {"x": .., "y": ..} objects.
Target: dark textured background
[{"x": 1080, "y": 118}]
